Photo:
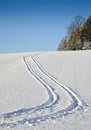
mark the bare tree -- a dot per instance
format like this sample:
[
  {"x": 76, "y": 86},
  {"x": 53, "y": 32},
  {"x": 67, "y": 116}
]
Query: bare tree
[
  {"x": 79, "y": 20},
  {"x": 76, "y": 24},
  {"x": 71, "y": 28}
]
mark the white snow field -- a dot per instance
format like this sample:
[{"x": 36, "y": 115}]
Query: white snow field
[{"x": 45, "y": 91}]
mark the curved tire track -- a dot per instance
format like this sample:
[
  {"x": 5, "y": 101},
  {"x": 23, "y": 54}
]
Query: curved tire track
[
  {"x": 74, "y": 96},
  {"x": 22, "y": 116}
]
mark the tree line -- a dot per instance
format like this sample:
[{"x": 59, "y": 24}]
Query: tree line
[{"x": 78, "y": 35}]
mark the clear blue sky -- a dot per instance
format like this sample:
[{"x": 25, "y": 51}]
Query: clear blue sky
[{"x": 37, "y": 25}]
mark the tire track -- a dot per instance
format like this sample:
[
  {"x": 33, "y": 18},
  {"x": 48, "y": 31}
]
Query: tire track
[
  {"x": 74, "y": 96},
  {"x": 44, "y": 111},
  {"x": 9, "y": 118}
]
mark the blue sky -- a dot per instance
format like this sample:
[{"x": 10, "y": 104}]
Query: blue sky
[{"x": 37, "y": 25}]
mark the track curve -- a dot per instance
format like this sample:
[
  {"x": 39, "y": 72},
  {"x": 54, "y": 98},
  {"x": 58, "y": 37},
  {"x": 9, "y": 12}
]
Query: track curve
[{"x": 55, "y": 105}]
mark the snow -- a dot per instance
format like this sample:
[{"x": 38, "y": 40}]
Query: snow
[
  {"x": 73, "y": 69},
  {"x": 45, "y": 90},
  {"x": 16, "y": 85}
]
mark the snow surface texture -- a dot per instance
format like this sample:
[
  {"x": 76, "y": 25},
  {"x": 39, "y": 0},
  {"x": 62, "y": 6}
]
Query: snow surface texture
[{"x": 45, "y": 90}]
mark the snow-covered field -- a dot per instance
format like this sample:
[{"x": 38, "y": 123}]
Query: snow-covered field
[{"x": 45, "y": 91}]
